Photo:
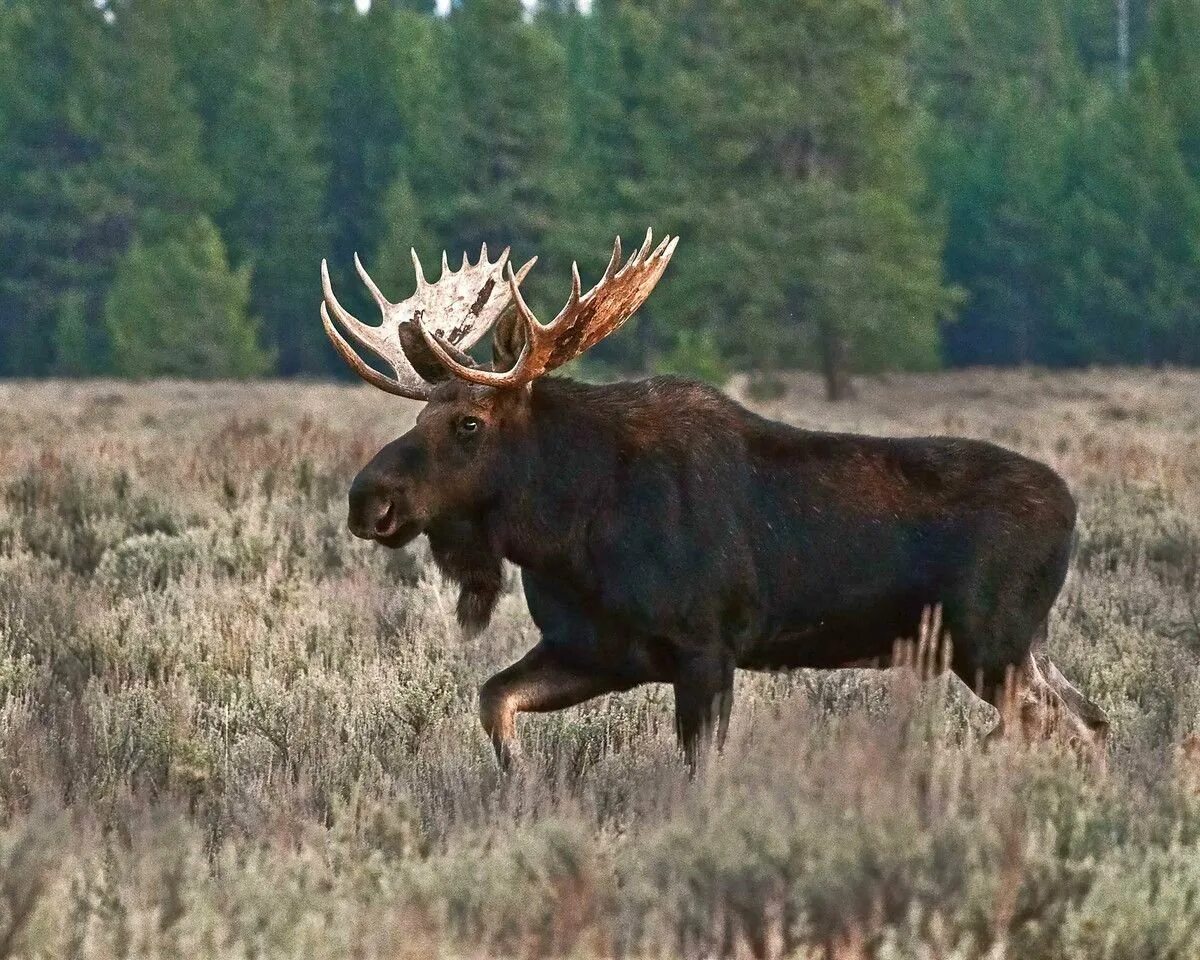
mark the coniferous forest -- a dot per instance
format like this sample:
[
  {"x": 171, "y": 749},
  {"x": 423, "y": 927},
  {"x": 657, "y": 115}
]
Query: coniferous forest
[{"x": 859, "y": 184}]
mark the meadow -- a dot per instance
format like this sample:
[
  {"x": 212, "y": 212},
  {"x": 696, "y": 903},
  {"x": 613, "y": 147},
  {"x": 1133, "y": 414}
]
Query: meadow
[{"x": 228, "y": 729}]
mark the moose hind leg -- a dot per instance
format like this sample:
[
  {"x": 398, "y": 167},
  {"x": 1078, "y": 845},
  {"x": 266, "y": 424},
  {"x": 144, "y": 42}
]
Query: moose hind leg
[
  {"x": 539, "y": 682},
  {"x": 1091, "y": 716},
  {"x": 1034, "y": 706}
]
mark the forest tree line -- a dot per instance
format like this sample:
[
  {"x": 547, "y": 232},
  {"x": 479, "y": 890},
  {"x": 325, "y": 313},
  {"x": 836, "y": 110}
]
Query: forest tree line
[{"x": 859, "y": 184}]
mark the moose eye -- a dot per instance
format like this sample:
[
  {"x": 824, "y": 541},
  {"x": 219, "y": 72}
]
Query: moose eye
[{"x": 468, "y": 425}]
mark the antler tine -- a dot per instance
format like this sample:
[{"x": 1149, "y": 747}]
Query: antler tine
[
  {"x": 368, "y": 373},
  {"x": 417, "y": 267},
  {"x": 583, "y": 322},
  {"x": 645, "y": 248},
  {"x": 523, "y": 272},
  {"x": 575, "y": 284},
  {"x": 614, "y": 262},
  {"x": 370, "y": 284},
  {"x": 662, "y": 246},
  {"x": 364, "y": 334},
  {"x": 407, "y": 383},
  {"x": 494, "y": 378}
]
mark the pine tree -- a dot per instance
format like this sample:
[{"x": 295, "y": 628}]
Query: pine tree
[
  {"x": 273, "y": 217},
  {"x": 150, "y": 130},
  {"x": 416, "y": 207},
  {"x": 810, "y": 188},
  {"x": 102, "y": 145},
  {"x": 1175, "y": 56},
  {"x": 510, "y": 78},
  {"x": 391, "y": 267},
  {"x": 1132, "y": 271},
  {"x": 55, "y": 247},
  {"x": 1001, "y": 83},
  {"x": 628, "y": 161},
  {"x": 363, "y": 129},
  {"x": 72, "y": 351},
  {"x": 257, "y": 71},
  {"x": 176, "y": 308}
]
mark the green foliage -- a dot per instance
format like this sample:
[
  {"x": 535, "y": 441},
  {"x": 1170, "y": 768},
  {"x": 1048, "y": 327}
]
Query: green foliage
[
  {"x": 72, "y": 357},
  {"x": 1137, "y": 285},
  {"x": 696, "y": 355},
  {"x": 273, "y": 221},
  {"x": 811, "y": 235},
  {"x": 392, "y": 265},
  {"x": 1174, "y": 55},
  {"x": 859, "y": 184},
  {"x": 513, "y": 179},
  {"x": 53, "y": 213},
  {"x": 1058, "y": 168},
  {"x": 177, "y": 309}
]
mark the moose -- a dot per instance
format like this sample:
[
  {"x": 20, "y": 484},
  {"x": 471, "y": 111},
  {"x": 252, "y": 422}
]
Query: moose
[{"x": 664, "y": 533}]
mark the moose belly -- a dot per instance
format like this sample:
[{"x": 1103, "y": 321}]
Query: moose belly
[{"x": 838, "y": 640}]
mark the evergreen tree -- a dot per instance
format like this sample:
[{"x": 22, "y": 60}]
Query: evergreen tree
[
  {"x": 72, "y": 350},
  {"x": 1175, "y": 57},
  {"x": 176, "y": 308},
  {"x": 1001, "y": 85},
  {"x": 510, "y": 78},
  {"x": 151, "y": 133},
  {"x": 812, "y": 233},
  {"x": 273, "y": 217},
  {"x": 392, "y": 266},
  {"x": 416, "y": 207},
  {"x": 54, "y": 245},
  {"x": 363, "y": 131},
  {"x": 628, "y": 163},
  {"x": 815, "y": 155},
  {"x": 1132, "y": 271},
  {"x": 256, "y": 73}
]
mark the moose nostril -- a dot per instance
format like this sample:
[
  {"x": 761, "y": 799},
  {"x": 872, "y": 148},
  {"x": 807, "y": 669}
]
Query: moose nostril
[{"x": 385, "y": 517}]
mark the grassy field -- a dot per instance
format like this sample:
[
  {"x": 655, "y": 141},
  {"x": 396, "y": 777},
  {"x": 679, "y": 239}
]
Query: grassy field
[{"x": 227, "y": 729}]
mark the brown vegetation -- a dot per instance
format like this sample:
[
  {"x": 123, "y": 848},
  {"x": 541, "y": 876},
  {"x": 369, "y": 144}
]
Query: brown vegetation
[{"x": 227, "y": 728}]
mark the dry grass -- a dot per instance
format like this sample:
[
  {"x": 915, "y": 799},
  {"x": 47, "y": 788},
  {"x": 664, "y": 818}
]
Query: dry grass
[{"x": 228, "y": 729}]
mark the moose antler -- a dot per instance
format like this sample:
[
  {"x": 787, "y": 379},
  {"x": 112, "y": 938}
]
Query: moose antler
[
  {"x": 583, "y": 322},
  {"x": 459, "y": 308}
]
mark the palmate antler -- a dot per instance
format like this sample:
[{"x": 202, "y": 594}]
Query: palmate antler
[
  {"x": 459, "y": 308},
  {"x": 584, "y": 321}
]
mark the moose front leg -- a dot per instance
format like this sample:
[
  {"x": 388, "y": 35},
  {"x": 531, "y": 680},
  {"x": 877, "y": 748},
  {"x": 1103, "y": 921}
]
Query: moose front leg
[
  {"x": 703, "y": 701},
  {"x": 539, "y": 682}
]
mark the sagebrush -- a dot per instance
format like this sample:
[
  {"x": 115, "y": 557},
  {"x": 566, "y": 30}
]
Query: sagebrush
[{"x": 229, "y": 729}]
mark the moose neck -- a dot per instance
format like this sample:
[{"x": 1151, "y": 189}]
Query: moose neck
[{"x": 554, "y": 478}]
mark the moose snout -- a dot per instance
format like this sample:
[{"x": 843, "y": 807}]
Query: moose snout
[{"x": 374, "y": 513}]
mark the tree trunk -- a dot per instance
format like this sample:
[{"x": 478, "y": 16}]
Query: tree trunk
[
  {"x": 1123, "y": 42},
  {"x": 835, "y": 364}
]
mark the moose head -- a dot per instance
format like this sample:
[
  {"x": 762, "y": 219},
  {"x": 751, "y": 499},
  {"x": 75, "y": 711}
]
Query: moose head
[{"x": 476, "y": 418}]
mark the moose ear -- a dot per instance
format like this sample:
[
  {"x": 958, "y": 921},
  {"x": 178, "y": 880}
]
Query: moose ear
[
  {"x": 508, "y": 340},
  {"x": 422, "y": 358},
  {"x": 508, "y": 335}
]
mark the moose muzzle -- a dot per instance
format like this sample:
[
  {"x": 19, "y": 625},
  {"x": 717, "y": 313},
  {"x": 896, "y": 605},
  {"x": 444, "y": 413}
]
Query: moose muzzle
[{"x": 378, "y": 512}]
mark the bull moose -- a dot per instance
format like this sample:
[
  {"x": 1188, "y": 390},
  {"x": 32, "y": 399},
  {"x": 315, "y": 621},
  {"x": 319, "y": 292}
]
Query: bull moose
[{"x": 664, "y": 533}]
